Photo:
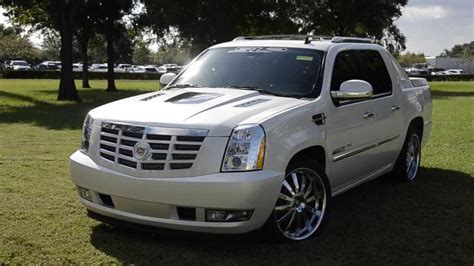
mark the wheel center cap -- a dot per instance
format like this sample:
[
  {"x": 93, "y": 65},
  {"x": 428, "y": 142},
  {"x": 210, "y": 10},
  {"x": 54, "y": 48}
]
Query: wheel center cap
[{"x": 300, "y": 206}]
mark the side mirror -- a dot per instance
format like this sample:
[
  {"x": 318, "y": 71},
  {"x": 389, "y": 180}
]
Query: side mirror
[
  {"x": 354, "y": 89},
  {"x": 165, "y": 79}
]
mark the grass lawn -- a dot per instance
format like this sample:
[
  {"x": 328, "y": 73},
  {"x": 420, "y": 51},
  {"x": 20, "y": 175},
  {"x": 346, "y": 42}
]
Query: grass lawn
[{"x": 428, "y": 221}]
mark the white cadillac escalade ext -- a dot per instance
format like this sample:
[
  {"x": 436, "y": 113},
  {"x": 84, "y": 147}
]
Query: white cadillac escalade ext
[{"x": 259, "y": 132}]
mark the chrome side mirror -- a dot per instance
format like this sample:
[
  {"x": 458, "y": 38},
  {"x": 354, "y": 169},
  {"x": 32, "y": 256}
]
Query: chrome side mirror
[
  {"x": 354, "y": 89},
  {"x": 165, "y": 79}
]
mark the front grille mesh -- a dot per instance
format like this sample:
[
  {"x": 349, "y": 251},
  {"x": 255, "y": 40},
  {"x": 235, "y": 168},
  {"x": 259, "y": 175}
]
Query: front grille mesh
[{"x": 168, "y": 151}]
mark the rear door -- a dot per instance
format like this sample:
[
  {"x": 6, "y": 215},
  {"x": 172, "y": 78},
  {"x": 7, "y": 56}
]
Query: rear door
[{"x": 388, "y": 123}]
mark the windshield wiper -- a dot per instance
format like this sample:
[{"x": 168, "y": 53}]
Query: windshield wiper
[
  {"x": 184, "y": 85},
  {"x": 261, "y": 90}
]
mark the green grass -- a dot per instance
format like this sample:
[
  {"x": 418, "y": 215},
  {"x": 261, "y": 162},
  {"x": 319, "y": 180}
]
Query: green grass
[{"x": 428, "y": 221}]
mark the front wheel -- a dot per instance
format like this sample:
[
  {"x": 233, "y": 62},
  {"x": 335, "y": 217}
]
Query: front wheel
[
  {"x": 408, "y": 162},
  {"x": 302, "y": 204}
]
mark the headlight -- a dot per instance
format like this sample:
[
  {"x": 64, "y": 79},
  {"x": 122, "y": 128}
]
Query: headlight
[
  {"x": 86, "y": 133},
  {"x": 246, "y": 149}
]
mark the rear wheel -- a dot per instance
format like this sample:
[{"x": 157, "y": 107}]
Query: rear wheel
[
  {"x": 408, "y": 162},
  {"x": 302, "y": 204}
]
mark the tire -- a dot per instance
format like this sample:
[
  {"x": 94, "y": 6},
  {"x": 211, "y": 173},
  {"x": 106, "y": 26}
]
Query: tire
[
  {"x": 408, "y": 163},
  {"x": 303, "y": 203}
]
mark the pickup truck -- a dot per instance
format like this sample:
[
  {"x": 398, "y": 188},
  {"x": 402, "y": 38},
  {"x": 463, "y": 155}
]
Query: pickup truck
[{"x": 256, "y": 133}]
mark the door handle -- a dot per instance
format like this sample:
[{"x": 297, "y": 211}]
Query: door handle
[
  {"x": 395, "y": 108},
  {"x": 368, "y": 115}
]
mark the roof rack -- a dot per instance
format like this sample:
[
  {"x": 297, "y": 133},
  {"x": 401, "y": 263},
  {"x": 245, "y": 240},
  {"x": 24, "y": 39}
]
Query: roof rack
[{"x": 307, "y": 38}]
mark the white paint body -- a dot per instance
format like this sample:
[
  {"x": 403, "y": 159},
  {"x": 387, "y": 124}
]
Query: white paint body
[{"x": 151, "y": 197}]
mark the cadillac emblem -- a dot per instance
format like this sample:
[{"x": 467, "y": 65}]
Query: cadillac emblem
[{"x": 141, "y": 151}]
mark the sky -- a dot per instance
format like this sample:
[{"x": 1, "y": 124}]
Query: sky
[{"x": 429, "y": 25}]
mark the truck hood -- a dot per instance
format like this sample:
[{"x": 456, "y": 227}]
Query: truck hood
[{"x": 217, "y": 109}]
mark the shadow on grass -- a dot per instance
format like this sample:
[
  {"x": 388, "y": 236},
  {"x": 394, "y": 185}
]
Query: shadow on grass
[
  {"x": 58, "y": 115},
  {"x": 444, "y": 94},
  {"x": 383, "y": 221}
]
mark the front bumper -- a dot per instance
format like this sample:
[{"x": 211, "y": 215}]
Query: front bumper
[{"x": 154, "y": 201}]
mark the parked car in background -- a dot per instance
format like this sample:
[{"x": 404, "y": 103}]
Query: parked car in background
[
  {"x": 48, "y": 65},
  {"x": 145, "y": 69},
  {"x": 19, "y": 65},
  {"x": 450, "y": 72},
  {"x": 98, "y": 68},
  {"x": 124, "y": 67},
  {"x": 77, "y": 67},
  {"x": 169, "y": 68},
  {"x": 416, "y": 71}
]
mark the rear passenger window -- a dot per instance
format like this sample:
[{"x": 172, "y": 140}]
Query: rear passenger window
[{"x": 366, "y": 65}]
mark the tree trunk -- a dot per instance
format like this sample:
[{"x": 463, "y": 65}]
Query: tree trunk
[
  {"x": 67, "y": 88},
  {"x": 85, "y": 61},
  {"x": 109, "y": 35}
]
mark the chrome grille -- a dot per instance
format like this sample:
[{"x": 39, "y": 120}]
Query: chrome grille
[{"x": 171, "y": 149}]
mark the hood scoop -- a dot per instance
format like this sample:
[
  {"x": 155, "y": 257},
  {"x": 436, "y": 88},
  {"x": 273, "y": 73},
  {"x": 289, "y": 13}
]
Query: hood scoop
[
  {"x": 151, "y": 97},
  {"x": 252, "y": 102},
  {"x": 193, "y": 97}
]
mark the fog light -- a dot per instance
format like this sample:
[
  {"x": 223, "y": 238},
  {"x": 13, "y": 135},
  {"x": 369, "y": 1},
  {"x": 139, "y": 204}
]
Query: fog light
[
  {"x": 227, "y": 215},
  {"x": 84, "y": 193}
]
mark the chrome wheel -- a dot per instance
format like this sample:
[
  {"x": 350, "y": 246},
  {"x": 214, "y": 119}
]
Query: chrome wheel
[
  {"x": 301, "y": 204},
  {"x": 413, "y": 156}
]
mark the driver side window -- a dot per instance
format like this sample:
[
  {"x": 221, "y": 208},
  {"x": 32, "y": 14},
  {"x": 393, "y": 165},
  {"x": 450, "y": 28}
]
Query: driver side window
[{"x": 367, "y": 65}]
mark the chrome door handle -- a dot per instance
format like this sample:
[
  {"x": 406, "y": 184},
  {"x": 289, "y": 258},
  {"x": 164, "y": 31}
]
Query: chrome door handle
[
  {"x": 368, "y": 115},
  {"x": 395, "y": 108}
]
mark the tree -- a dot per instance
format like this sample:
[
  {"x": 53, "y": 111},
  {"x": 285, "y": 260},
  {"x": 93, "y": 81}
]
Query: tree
[
  {"x": 362, "y": 18},
  {"x": 109, "y": 16},
  {"x": 51, "y": 46},
  {"x": 465, "y": 51},
  {"x": 55, "y": 14},
  {"x": 14, "y": 46},
  {"x": 408, "y": 59},
  {"x": 141, "y": 54},
  {"x": 206, "y": 22}
]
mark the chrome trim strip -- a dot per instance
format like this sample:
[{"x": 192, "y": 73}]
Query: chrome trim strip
[
  {"x": 428, "y": 123},
  {"x": 362, "y": 149},
  {"x": 350, "y": 95},
  {"x": 156, "y": 130}
]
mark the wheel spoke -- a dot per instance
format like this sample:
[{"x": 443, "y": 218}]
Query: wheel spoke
[
  {"x": 286, "y": 215},
  {"x": 288, "y": 187},
  {"x": 295, "y": 182},
  {"x": 291, "y": 221},
  {"x": 314, "y": 198},
  {"x": 283, "y": 207},
  {"x": 285, "y": 197},
  {"x": 308, "y": 190},
  {"x": 303, "y": 183}
]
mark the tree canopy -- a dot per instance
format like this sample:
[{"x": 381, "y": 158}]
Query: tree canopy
[
  {"x": 465, "y": 51},
  {"x": 206, "y": 22},
  {"x": 88, "y": 24},
  {"x": 15, "y": 46}
]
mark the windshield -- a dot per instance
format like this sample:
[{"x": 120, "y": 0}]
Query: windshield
[
  {"x": 19, "y": 63},
  {"x": 282, "y": 71}
]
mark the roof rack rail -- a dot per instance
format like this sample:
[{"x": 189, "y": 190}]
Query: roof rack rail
[
  {"x": 338, "y": 39},
  {"x": 306, "y": 38},
  {"x": 283, "y": 37}
]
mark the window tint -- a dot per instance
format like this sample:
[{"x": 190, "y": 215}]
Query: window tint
[
  {"x": 366, "y": 65},
  {"x": 286, "y": 71}
]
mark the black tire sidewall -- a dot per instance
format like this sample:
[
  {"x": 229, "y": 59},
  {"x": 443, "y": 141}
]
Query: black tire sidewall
[{"x": 399, "y": 169}]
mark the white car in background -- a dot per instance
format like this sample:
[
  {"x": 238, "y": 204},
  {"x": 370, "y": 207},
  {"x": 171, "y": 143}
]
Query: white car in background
[
  {"x": 259, "y": 132},
  {"x": 19, "y": 65},
  {"x": 452, "y": 72}
]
